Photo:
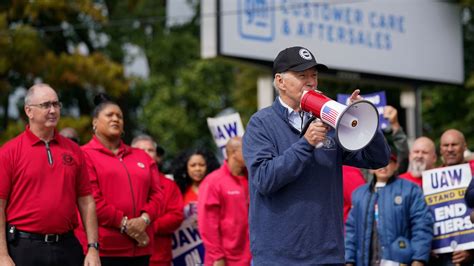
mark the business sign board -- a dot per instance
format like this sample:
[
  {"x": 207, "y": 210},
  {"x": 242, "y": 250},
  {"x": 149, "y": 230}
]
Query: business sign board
[{"x": 420, "y": 40}]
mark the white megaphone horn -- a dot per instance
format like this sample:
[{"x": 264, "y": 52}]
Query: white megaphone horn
[{"x": 355, "y": 124}]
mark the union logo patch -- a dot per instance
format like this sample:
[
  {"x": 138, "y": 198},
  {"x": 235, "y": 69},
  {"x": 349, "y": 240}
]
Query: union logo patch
[
  {"x": 67, "y": 159},
  {"x": 305, "y": 54}
]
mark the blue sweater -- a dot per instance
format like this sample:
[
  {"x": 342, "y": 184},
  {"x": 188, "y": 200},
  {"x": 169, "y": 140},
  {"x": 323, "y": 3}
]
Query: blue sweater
[{"x": 296, "y": 190}]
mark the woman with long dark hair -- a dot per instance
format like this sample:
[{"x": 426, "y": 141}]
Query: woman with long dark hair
[{"x": 189, "y": 170}]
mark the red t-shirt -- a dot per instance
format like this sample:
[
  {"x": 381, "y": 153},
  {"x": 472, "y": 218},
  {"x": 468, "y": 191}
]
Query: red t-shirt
[
  {"x": 417, "y": 180},
  {"x": 190, "y": 196},
  {"x": 42, "y": 192},
  {"x": 352, "y": 178}
]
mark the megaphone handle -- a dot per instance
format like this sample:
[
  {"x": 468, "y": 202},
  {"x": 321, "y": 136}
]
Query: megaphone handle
[
  {"x": 321, "y": 144},
  {"x": 306, "y": 126}
]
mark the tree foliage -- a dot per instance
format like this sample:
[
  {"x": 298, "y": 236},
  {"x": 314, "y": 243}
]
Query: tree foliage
[
  {"x": 445, "y": 107},
  {"x": 39, "y": 40},
  {"x": 183, "y": 90},
  {"x": 46, "y": 40}
]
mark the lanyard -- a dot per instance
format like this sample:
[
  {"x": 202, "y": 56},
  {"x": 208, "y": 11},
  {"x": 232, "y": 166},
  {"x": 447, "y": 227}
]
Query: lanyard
[{"x": 376, "y": 213}]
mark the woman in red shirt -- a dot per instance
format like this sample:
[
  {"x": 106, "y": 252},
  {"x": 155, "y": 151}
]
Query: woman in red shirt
[
  {"x": 189, "y": 169},
  {"x": 124, "y": 181}
]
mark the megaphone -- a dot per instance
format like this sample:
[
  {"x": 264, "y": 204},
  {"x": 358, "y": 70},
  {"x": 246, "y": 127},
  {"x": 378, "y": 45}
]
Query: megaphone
[{"x": 355, "y": 124}]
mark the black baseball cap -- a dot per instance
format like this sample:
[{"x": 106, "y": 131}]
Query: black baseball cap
[{"x": 297, "y": 59}]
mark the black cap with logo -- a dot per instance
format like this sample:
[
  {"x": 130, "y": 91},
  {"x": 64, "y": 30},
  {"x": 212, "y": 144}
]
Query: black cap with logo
[{"x": 297, "y": 59}]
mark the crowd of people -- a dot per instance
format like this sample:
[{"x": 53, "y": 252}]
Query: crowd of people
[{"x": 286, "y": 194}]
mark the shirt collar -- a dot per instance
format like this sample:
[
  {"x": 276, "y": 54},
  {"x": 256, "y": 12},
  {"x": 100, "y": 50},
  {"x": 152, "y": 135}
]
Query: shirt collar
[
  {"x": 227, "y": 171},
  {"x": 97, "y": 145},
  {"x": 294, "y": 117},
  {"x": 33, "y": 139},
  {"x": 290, "y": 110}
]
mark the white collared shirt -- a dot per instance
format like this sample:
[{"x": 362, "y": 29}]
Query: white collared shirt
[{"x": 296, "y": 119}]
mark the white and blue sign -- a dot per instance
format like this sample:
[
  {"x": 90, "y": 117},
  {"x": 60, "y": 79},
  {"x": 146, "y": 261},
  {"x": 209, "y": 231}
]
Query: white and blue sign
[
  {"x": 444, "y": 190},
  {"x": 390, "y": 37},
  {"x": 377, "y": 98},
  {"x": 187, "y": 246},
  {"x": 223, "y": 128}
]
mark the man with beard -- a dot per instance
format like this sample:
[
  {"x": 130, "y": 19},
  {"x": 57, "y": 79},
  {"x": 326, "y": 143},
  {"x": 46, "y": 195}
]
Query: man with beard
[{"x": 422, "y": 157}]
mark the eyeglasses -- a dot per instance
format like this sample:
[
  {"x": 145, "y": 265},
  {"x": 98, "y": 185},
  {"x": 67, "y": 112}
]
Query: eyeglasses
[{"x": 47, "y": 105}]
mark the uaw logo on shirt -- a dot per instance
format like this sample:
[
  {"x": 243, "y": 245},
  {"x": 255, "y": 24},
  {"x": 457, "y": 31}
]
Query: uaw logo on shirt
[
  {"x": 256, "y": 19},
  {"x": 67, "y": 159}
]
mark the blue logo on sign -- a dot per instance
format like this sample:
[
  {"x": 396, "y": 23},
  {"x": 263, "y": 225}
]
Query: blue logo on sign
[{"x": 256, "y": 19}]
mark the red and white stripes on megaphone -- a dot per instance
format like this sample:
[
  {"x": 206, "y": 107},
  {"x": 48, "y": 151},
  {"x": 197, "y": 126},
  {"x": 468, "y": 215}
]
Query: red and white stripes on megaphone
[{"x": 355, "y": 124}]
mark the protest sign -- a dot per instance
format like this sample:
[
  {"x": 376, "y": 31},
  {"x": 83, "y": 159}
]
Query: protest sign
[{"x": 444, "y": 190}]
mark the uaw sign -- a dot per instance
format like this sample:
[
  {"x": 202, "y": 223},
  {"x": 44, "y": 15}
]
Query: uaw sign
[
  {"x": 224, "y": 128},
  {"x": 444, "y": 190},
  {"x": 187, "y": 246}
]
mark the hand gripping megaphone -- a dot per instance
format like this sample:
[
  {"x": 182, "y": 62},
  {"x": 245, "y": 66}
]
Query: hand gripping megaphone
[{"x": 355, "y": 124}]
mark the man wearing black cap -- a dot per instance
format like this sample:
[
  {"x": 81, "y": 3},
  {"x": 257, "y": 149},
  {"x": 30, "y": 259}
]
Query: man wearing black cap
[{"x": 295, "y": 188}]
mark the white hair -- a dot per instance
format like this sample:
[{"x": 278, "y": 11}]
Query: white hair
[
  {"x": 282, "y": 74},
  {"x": 144, "y": 137}
]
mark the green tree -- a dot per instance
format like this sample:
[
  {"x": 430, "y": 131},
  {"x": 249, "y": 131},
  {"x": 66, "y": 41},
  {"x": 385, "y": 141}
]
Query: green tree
[
  {"x": 445, "y": 107},
  {"x": 39, "y": 40},
  {"x": 183, "y": 89}
]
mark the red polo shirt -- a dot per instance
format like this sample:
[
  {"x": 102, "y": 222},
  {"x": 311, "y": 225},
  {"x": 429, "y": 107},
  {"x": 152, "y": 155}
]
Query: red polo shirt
[{"x": 42, "y": 192}]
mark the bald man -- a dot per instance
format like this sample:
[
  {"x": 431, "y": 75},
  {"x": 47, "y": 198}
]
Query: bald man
[
  {"x": 223, "y": 211},
  {"x": 422, "y": 157},
  {"x": 452, "y": 147},
  {"x": 43, "y": 179}
]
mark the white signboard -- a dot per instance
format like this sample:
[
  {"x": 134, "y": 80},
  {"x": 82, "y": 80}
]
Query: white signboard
[
  {"x": 444, "y": 190},
  {"x": 409, "y": 39},
  {"x": 224, "y": 128}
]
